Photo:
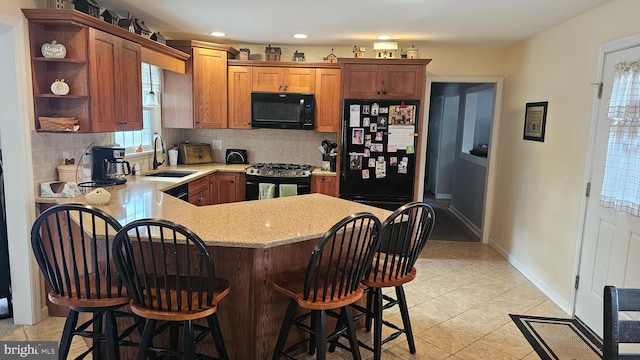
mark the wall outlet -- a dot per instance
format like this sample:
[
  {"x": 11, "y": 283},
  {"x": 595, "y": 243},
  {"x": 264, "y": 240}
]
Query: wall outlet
[{"x": 216, "y": 144}]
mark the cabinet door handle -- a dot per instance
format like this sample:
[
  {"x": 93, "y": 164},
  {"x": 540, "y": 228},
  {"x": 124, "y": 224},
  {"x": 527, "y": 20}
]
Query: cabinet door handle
[
  {"x": 286, "y": 87},
  {"x": 122, "y": 122},
  {"x": 232, "y": 181}
]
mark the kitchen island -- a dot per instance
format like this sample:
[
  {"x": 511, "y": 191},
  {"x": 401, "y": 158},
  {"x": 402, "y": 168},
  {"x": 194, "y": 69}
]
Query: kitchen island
[{"x": 250, "y": 241}]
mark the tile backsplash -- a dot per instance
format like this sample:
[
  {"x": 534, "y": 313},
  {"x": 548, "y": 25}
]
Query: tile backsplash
[
  {"x": 265, "y": 145},
  {"x": 262, "y": 145}
]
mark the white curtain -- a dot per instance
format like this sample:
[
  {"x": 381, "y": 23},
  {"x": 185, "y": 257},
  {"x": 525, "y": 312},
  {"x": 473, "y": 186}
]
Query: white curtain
[{"x": 621, "y": 185}]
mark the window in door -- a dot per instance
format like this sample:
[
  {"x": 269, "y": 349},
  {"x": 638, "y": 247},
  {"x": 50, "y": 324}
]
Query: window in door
[{"x": 621, "y": 183}]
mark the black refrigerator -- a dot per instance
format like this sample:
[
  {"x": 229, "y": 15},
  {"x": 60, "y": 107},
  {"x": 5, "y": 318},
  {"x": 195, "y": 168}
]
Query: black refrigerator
[{"x": 378, "y": 160}]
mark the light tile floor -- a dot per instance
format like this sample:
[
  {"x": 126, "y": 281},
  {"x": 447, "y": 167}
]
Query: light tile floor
[{"x": 459, "y": 305}]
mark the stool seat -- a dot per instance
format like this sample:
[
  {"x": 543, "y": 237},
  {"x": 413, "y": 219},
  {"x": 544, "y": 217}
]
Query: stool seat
[
  {"x": 331, "y": 282},
  {"x": 170, "y": 274},
  {"x": 292, "y": 285}
]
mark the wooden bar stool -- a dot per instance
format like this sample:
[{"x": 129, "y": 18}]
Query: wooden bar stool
[
  {"x": 403, "y": 237},
  {"x": 331, "y": 282},
  {"x": 170, "y": 275},
  {"x": 72, "y": 245}
]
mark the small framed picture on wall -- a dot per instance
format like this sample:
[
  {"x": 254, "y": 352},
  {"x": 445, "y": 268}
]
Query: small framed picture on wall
[{"x": 535, "y": 119}]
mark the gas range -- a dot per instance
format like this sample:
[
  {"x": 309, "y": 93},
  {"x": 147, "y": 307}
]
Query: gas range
[{"x": 279, "y": 170}]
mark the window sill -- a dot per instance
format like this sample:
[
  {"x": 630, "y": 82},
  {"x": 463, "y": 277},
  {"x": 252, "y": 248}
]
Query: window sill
[{"x": 138, "y": 154}]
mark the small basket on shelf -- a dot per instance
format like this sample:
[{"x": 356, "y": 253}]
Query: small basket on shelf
[{"x": 58, "y": 123}]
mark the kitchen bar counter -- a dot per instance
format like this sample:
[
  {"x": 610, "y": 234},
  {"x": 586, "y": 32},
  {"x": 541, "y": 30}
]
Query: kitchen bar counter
[
  {"x": 251, "y": 241},
  {"x": 248, "y": 224}
]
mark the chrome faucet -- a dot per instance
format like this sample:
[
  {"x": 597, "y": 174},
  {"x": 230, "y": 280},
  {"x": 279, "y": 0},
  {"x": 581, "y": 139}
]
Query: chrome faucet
[{"x": 157, "y": 137}]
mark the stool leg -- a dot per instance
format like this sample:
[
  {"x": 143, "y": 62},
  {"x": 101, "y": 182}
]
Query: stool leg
[
  {"x": 174, "y": 329},
  {"x": 111, "y": 334},
  {"x": 377, "y": 323},
  {"x": 404, "y": 312},
  {"x": 97, "y": 328},
  {"x": 284, "y": 329},
  {"x": 369, "y": 316},
  {"x": 312, "y": 339},
  {"x": 214, "y": 327},
  {"x": 187, "y": 341},
  {"x": 353, "y": 340},
  {"x": 320, "y": 328},
  {"x": 147, "y": 335},
  {"x": 65, "y": 340}
]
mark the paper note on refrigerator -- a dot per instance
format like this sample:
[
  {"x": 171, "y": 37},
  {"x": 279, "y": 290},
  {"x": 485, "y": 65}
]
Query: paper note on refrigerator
[
  {"x": 354, "y": 115},
  {"x": 401, "y": 136}
]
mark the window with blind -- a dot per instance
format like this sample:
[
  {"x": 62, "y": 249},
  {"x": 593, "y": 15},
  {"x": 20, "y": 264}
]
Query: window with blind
[{"x": 151, "y": 84}]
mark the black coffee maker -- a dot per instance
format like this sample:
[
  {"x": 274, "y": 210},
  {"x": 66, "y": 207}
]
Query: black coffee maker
[{"x": 109, "y": 166}]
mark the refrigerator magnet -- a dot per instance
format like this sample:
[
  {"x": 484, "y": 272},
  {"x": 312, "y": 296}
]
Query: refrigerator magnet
[
  {"x": 392, "y": 148},
  {"x": 374, "y": 109},
  {"x": 380, "y": 159},
  {"x": 366, "y": 121},
  {"x": 393, "y": 161},
  {"x": 372, "y": 162},
  {"x": 357, "y": 136},
  {"x": 355, "y": 162},
  {"x": 366, "y": 109},
  {"x": 365, "y": 174},
  {"x": 354, "y": 115},
  {"x": 367, "y": 152},
  {"x": 402, "y": 168},
  {"x": 381, "y": 170},
  {"x": 378, "y": 135},
  {"x": 367, "y": 143},
  {"x": 373, "y": 127},
  {"x": 382, "y": 122},
  {"x": 410, "y": 149}
]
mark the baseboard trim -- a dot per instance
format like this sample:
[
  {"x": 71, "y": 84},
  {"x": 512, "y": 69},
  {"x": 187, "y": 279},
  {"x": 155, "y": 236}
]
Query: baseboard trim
[{"x": 465, "y": 221}]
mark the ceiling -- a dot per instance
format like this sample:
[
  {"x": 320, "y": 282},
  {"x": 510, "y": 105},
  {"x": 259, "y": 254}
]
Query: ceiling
[{"x": 424, "y": 23}]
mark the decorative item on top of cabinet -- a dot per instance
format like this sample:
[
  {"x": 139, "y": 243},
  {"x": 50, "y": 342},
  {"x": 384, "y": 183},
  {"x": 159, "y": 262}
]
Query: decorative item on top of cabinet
[
  {"x": 331, "y": 58},
  {"x": 298, "y": 56},
  {"x": 272, "y": 53},
  {"x": 383, "y": 78},
  {"x": 358, "y": 51},
  {"x": 111, "y": 17},
  {"x": 412, "y": 53},
  {"x": 244, "y": 54},
  {"x": 89, "y": 7},
  {"x": 159, "y": 38},
  {"x": 198, "y": 98},
  {"x": 141, "y": 28}
]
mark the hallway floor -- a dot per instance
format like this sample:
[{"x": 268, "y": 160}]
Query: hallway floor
[{"x": 459, "y": 305}]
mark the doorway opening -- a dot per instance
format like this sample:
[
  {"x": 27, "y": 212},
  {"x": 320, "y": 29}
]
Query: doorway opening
[{"x": 461, "y": 136}]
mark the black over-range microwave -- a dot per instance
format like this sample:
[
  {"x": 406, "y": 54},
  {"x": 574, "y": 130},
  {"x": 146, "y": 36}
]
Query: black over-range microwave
[{"x": 282, "y": 110}]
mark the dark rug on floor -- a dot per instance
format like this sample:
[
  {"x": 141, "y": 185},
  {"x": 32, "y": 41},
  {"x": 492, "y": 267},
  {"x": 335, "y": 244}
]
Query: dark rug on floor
[
  {"x": 559, "y": 339},
  {"x": 447, "y": 229}
]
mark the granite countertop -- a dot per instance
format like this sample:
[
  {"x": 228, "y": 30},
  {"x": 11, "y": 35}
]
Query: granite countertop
[{"x": 248, "y": 224}]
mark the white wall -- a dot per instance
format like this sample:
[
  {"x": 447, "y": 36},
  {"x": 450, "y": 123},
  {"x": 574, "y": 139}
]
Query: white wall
[{"x": 540, "y": 185}]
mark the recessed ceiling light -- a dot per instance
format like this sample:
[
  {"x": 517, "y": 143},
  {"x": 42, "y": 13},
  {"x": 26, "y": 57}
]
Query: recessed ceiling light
[
  {"x": 384, "y": 37},
  {"x": 300, "y": 36},
  {"x": 218, "y": 34}
]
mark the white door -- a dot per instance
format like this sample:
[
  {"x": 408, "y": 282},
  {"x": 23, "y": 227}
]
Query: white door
[{"x": 611, "y": 239}]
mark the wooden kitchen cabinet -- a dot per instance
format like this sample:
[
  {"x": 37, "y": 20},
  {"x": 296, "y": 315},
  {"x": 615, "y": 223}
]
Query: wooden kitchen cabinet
[
  {"x": 199, "y": 191},
  {"x": 116, "y": 83},
  {"x": 198, "y": 98},
  {"x": 229, "y": 187},
  {"x": 102, "y": 67},
  {"x": 324, "y": 184},
  {"x": 240, "y": 85},
  {"x": 402, "y": 79},
  {"x": 328, "y": 101},
  {"x": 284, "y": 79}
]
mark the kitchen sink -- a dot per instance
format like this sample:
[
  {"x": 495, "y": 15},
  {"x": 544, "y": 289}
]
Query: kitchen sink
[{"x": 171, "y": 174}]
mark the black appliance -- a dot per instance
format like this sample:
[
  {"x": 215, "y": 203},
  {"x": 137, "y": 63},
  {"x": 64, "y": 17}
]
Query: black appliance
[
  {"x": 277, "y": 174},
  {"x": 5, "y": 277},
  {"x": 181, "y": 192},
  {"x": 108, "y": 165},
  {"x": 282, "y": 110},
  {"x": 378, "y": 158},
  {"x": 236, "y": 156}
]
